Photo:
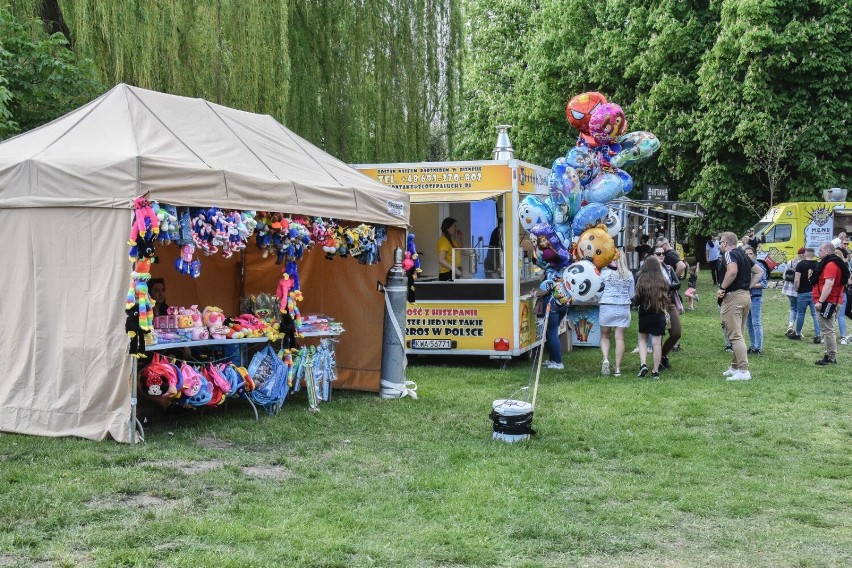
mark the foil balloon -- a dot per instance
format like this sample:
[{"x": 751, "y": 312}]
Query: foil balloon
[
  {"x": 582, "y": 280},
  {"x": 626, "y": 181},
  {"x": 613, "y": 223},
  {"x": 534, "y": 210},
  {"x": 579, "y": 109},
  {"x": 565, "y": 190},
  {"x": 635, "y": 147},
  {"x": 605, "y": 187},
  {"x": 596, "y": 245},
  {"x": 607, "y": 123},
  {"x": 551, "y": 251},
  {"x": 585, "y": 162},
  {"x": 588, "y": 216}
]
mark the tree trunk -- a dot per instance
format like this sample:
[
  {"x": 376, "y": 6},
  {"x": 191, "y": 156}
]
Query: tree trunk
[{"x": 51, "y": 16}]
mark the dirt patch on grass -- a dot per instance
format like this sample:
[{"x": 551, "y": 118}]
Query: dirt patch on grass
[
  {"x": 135, "y": 501},
  {"x": 188, "y": 467},
  {"x": 268, "y": 471},
  {"x": 211, "y": 443}
]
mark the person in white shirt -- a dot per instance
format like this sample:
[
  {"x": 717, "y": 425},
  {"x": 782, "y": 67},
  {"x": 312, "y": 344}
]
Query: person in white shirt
[
  {"x": 615, "y": 310},
  {"x": 712, "y": 251}
]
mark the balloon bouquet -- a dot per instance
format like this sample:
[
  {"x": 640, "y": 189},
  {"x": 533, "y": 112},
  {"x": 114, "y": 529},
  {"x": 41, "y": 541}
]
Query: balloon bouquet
[{"x": 572, "y": 227}]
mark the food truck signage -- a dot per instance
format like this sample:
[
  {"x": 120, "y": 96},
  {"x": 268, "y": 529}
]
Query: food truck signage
[
  {"x": 656, "y": 192},
  {"x": 444, "y": 322},
  {"x": 443, "y": 177},
  {"x": 532, "y": 180}
]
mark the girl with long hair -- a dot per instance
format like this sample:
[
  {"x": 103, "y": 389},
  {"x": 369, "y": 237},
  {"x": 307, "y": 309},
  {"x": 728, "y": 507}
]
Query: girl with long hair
[
  {"x": 615, "y": 310},
  {"x": 652, "y": 297}
]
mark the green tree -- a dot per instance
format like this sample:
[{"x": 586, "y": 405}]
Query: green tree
[
  {"x": 776, "y": 69},
  {"x": 40, "y": 79},
  {"x": 494, "y": 63},
  {"x": 366, "y": 81}
]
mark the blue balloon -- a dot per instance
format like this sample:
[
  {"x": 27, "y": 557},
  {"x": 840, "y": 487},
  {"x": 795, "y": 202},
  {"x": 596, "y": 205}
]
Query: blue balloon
[
  {"x": 534, "y": 210},
  {"x": 635, "y": 147},
  {"x": 604, "y": 187},
  {"x": 565, "y": 193},
  {"x": 589, "y": 216},
  {"x": 626, "y": 181},
  {"x": 585, "y": 161}
]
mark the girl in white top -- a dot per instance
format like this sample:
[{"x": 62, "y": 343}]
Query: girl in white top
[{"x": 615, "y": 310}]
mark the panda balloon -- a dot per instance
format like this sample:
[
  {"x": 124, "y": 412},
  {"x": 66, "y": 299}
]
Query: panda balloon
[{"x": 583, "y": 280}]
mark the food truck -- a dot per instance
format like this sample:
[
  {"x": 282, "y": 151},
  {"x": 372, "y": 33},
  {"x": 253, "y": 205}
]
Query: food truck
[
  {"x": 788, "y": 226},
  {"x": 489, "y": 309}
]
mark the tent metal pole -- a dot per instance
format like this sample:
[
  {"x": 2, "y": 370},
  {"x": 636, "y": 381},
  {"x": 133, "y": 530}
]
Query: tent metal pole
[{"x": 133, "y": 399}]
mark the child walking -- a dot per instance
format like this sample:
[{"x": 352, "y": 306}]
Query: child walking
[
  {"x": 652, "y": 297},
  {"x": 692, "y": 286}
]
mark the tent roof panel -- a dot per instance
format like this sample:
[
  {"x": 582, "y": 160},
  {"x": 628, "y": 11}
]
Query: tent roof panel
[{"x": 189, "y": 152}]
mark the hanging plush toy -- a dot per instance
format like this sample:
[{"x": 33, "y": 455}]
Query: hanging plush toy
[
  {"x": 135, "y": 332},
  {"x": 145, "y": 223},
  {"x": 185, "y": 264}
]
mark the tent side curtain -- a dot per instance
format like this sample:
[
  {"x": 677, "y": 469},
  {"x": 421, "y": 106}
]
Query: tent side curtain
[{"x": 65, "y": 365}]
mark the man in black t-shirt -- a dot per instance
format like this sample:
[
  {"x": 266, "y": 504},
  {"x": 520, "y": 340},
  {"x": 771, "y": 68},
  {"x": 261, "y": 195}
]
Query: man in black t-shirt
[
  {"x": 672, "y": 258},
  {"x": 805, "y": 300},
  {"x": 735, "y": 301},
  {"x": 753, "y": 241},
  {"x": 643, "y": 248}
]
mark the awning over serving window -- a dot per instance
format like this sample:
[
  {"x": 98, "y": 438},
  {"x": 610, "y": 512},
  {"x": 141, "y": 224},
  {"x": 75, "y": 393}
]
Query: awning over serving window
[
  {"x": 447, "y": 197},
  {"x": 685, "y": 209}
]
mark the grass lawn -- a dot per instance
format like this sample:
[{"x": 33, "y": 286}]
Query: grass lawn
[{"x": 690, "y": 470}]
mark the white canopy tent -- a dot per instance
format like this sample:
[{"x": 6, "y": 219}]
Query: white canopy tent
[{"x": 65, "y": 195}]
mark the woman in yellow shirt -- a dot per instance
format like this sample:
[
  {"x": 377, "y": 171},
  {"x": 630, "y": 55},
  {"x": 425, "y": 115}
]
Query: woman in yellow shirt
[{"x": 446, "y": 243}]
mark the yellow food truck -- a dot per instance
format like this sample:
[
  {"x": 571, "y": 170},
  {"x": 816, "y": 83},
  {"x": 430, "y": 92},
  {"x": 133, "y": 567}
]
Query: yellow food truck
[
  {"x": 786, "y": 227},
  {"x": 487, "y": 308}
]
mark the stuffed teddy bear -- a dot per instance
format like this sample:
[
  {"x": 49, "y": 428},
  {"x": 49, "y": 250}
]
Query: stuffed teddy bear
[{"x": 596, "y": 244}]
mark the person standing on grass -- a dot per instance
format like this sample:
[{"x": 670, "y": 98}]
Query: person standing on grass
[
  {"x": 789, "y": 290},
  {"x": 735, "y": 301},
  {"x": 752, "y": 241},
  {"x": 845, "y": 255},
  {"x": 754, "y": 321},
  {"x": 553, "y": 289},
  {"x": 692, "y": 285},
  {"x": 671, "y": 259},
  {"x": 615, "y": 310},
  {"x": 711, "y": 249},
  {"x": 827, "y": 281},
  {"x": 652, "y": 297},
  {"x": 805, "y": 300}
]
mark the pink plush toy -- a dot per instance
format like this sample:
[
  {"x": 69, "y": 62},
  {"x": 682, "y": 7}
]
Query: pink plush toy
[
  {"x": 191, "y": 380},
  {"x": 214, "y": 321},
  {"x": 198, "y": 333},
  {"x": 145, "y": 221},
  {"x": 285, "y": 285},
  {"x": 184, "y": 264}
]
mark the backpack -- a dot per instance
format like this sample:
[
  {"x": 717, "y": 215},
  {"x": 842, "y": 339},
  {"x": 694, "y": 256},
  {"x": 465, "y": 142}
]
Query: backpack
[
  {"x": 270, "y": 380},
  {"x": 789, "y": 275}
]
